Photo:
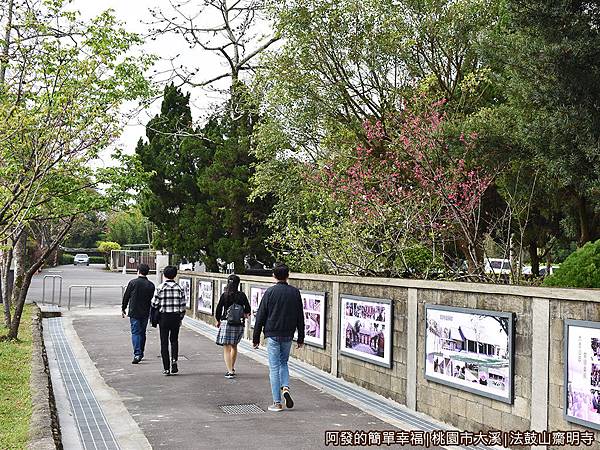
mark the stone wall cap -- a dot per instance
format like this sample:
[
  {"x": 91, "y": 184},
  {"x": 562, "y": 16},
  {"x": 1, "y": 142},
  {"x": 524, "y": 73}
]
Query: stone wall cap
[{"x": 586, "y": 295}]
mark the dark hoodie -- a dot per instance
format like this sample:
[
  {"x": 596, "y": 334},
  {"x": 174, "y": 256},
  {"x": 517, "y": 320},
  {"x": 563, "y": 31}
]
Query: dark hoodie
[{"x": 280, "y": 313}]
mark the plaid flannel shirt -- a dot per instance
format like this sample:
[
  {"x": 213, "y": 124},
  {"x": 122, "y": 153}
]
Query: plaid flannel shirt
[{"x": 169, "y": 298}]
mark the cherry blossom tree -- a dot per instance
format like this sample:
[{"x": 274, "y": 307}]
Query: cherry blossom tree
[{"x": 417, "y": 180}]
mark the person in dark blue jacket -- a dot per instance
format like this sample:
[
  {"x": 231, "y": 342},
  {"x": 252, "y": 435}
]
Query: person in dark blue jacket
[
  {"x": 280, "y": 314},
  {"x": 138, "y": 296}
]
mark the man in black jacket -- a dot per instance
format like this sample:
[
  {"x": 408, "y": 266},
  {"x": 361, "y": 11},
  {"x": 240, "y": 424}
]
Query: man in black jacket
[
  {"x": 281, "y": 314},
  {"x": 138, "y": 295}
]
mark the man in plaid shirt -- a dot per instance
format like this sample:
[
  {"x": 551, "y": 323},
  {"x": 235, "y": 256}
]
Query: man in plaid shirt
[{"x": 170, "y": 301}]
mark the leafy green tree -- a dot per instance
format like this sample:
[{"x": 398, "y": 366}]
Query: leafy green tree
[
  {"x": 344, "y": 63},
  {"x": 105, "y": 247},
  {"x": 86, "y": 231},
  {"x": 128, "y": 227},
  {"x": 553, "y": 92},
  {"x": 174, "y": 157},
  {"x": 63, "y": 83},
  {"x": 197, "y": 184},
  {"x": 227, "y": 184}
]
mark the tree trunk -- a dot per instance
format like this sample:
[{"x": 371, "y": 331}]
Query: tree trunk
[
  {"x": 5, "y": 285},
  {"x": 23, "y": 280},
  {"x": 535, "y": 259},
  {"x": 19, "y": 255},
  {"x": 20, "y": 303},
  {"x": 238, "y": 266},
  {"x": 6, "y": 46},
  {"x": 584, "y": 226},
  {"x": 473, "y": 253}
]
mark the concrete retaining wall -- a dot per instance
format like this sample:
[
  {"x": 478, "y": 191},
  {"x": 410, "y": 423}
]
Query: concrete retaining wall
[
  {"x": 538, "y": 355},
  {"x": 44, "y": 432}
]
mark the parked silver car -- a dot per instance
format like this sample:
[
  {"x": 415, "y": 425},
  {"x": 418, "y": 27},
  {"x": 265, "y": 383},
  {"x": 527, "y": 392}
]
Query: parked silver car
[{"x": 81, "y": 258}]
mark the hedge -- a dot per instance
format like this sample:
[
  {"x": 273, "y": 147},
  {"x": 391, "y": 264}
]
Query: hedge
[{"x": 581, "y": 269}]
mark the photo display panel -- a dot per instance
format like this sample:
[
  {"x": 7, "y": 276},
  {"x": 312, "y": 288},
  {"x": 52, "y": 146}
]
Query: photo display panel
[
  {"x": 186, "y": 285},
  {"x": 366, "y": 329},
  {"x": 314, "y": 306},
  {"x": 256, "y": 295},
  {"x": 204, "y": 297},
  {"x": 582, "y": 373},
  {"x": 470, "y": 349}
]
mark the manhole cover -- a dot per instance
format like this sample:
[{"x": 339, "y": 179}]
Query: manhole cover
[{"x": 242, "y": 409}]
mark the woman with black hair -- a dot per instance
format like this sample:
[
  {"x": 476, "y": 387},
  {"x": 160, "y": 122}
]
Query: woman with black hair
[{"x": 231, "y": 329}]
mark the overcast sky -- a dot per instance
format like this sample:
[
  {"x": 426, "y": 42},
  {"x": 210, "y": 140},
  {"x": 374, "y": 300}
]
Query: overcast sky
[{"x": 135, "y": 15}]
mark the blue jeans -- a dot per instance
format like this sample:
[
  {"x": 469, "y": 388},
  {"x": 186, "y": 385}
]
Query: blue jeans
[
  {"x": 138, "y": 335},
  {"x": 279, "y": 352}
]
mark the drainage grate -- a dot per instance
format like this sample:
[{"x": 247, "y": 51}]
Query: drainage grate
[
  {"x": 250, "y": 408},
  {"x": 94, "y": 430}
]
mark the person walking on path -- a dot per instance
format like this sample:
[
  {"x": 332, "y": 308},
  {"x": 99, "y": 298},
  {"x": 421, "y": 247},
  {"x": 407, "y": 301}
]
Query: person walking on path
[
  {"x": 280, "y": 314},
  {"x": 232, "y": 309},
  {"x": 170, "y": 301},
  {"x": 138, "y": 297}
]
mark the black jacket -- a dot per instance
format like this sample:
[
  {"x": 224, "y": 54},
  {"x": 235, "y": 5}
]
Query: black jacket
[
  {"x": 280, "y": 313},
  {"x": 138, "y": 295},
  {"x": 224, "y": 304}
]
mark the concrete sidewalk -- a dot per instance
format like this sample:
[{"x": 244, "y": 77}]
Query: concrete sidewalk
[{"x": 183, "y": 411}]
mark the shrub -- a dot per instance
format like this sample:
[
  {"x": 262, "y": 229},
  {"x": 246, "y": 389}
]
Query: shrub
[
  {"x": 106, "y": 247},
  {"x": 66, "y": 259},
  {"x": 96, "y": 259},
  {"x": 581, "y": 269}
]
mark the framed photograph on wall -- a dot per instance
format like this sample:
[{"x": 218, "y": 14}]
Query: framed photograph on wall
[
  {"x": 470, "y": 349},
  {"x": 223, "y": 285},
  {"x": 582, "y": 373},
  {"x": 366, "y": 329},
  {"x": 314, "y": 306},
  {"x": 256, "y": 295},
  {"x": 204, "y": 296},
  {"x": 186, "y": 285}
]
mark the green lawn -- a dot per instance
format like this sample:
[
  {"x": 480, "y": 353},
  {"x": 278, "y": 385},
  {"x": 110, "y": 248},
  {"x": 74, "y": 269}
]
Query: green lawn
[{"x": 15, "y": 399}]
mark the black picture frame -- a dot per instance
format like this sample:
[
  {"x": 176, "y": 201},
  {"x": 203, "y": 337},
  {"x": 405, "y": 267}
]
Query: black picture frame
[
  {"x": 197, "y": 292},
  {"x": 388, "y": 322},
  {"x": 253, "y": 310},
  {"x": 473, "y": 387},
  {"x": 189, "y": 302},
  {"x": 568, "y": 388},
  {"x": 308, "y": 340}
]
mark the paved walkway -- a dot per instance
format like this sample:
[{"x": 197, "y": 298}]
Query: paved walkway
[
  {"x": 106, "y": 402},
  {"x": 183, "y": 411}
]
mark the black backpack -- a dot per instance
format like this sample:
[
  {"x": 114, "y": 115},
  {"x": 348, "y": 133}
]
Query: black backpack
[{"x": 235, "y": 314}]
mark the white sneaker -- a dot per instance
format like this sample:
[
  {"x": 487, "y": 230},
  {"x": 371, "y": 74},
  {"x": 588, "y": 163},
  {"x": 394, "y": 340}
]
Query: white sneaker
[
  {"x": 289, "y": 402},
  {"x": 276, "y": 407}
]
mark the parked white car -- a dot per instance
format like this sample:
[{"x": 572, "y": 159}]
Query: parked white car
[
  {"x": 186, "y": 266},
  {"x": 497, "y": 266},
  {"x": 543, "y": 269},
  {"x": 81, "y": 258}
]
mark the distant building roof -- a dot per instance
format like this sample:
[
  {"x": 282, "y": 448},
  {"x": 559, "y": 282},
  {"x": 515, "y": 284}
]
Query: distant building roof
[{"x": 488, "y": 331}]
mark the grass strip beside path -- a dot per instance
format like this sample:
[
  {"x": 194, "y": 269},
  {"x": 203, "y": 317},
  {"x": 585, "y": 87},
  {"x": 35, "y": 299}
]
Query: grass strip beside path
[{"x": 15, "y": 395}]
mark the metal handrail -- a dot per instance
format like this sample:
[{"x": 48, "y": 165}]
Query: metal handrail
[
  {"x": 54, "y": 277},
  {"x": 88, "y": 288}
]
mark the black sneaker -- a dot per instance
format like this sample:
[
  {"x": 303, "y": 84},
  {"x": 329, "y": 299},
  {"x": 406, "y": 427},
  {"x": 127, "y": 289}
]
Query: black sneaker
[
  {"x": 229, "y": 375},
  {"x": 136, "y": 360},
  {"x": 174, "y": 368},
  {"x": 289, "y": 402},
  {"x": 166, "y": 372}
]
